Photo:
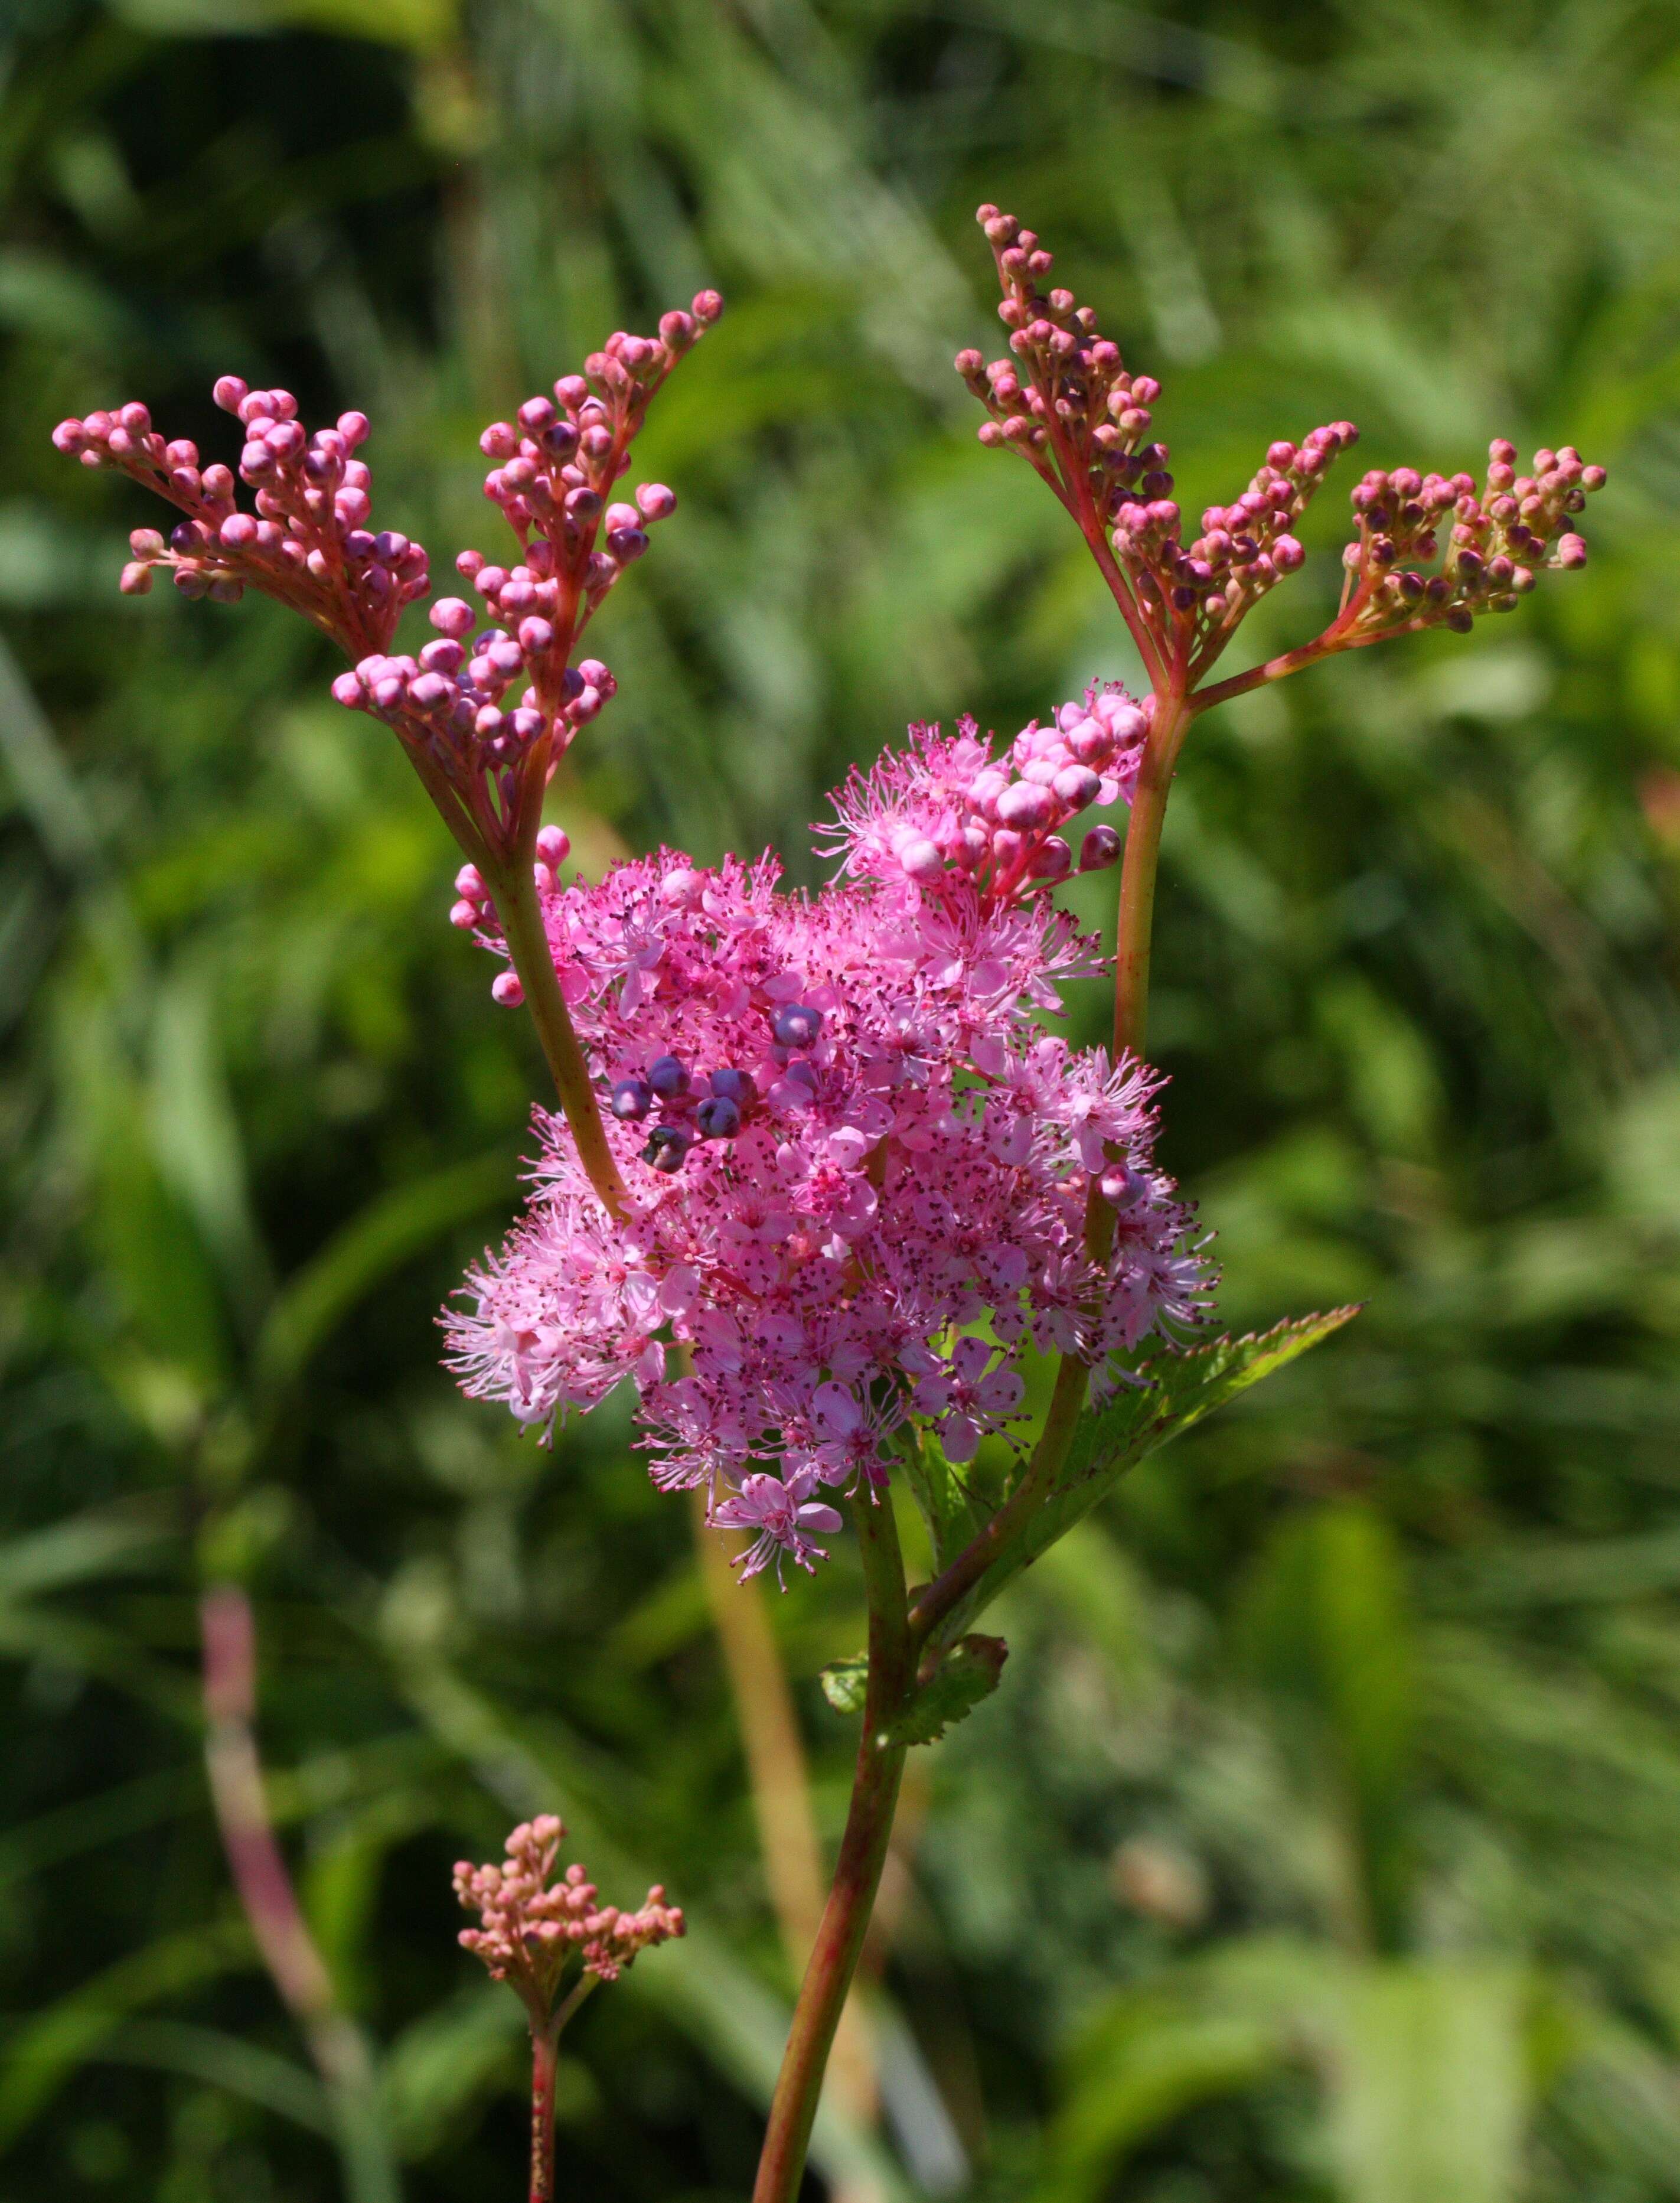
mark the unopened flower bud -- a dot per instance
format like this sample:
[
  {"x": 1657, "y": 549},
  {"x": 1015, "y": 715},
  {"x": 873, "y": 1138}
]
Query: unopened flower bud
[
  {"x": 797, "y": 1025},
  {"x": 718, "y": 1117},
  {"x": 632, "y": 1099},
  {"x": 1102, "y": 848},
  {"x": 920, "y": 860}
]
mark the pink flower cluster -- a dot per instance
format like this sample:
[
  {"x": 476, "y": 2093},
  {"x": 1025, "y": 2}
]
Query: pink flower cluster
[
  {"x": 1501, "y": 534},
  {"x": 541, "y": 1935},
  {"x": 308, "y": 543},
  {"x": 858, "y": 1167},
  {"x": 950, "y": 806}
]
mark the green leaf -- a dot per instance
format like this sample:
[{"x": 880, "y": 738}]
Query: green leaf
[
  {"x": 1179, "y": 1390},
  {"x": 1324, "y": 1628},
  {"x": 971, "y": 1671},
  {"x": 844, "y": 1683}
]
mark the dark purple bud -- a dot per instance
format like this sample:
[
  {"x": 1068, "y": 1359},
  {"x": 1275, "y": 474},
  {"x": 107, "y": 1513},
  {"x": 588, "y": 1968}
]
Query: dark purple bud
[
  {"x": 632, "y": 1099},
  {"x": 667, "y": 1148},
  {"x": 737, "y": 1086},
  {"x": 718, "y": 1117},
  {"x": 1103, "y": 847},
  {"x": 796, "y": 1025},
  {"x": 668, "y": 1077}
]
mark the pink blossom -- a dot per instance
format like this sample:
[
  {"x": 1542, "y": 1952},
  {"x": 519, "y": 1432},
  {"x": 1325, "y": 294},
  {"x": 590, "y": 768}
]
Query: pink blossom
[
  {"x": 783, "y": 1515},
  {"x": 849, "y": 1144},
  {"x": 968, "y": 1402}
]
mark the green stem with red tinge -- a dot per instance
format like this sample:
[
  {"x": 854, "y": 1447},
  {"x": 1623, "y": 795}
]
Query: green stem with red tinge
[
  {"x": 515, "y": 891},
  {"x": 863, "y": 1854}
]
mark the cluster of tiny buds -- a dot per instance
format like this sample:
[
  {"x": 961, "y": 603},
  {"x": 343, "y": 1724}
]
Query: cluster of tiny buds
[
  {"x": 1501, "y": 534},
  {"x": 455, "y": 689},
  {"x": 1244, "y": 548},
  {"x": 555, "y": 465},
  {"x": 1066, "y": 402},
  {"x": 534, "y": 1928},
  {"x": 689, "y": 1106},
  {"x": 307, "y": 543}
]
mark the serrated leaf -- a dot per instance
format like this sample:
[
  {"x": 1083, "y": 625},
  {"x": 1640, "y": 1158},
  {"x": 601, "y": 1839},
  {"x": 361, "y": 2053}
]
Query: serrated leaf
[
  {"x": 1180, "y": 1390},
  {"x": 844, "y": 1683},
  {"x": 971, "y": 1671}
]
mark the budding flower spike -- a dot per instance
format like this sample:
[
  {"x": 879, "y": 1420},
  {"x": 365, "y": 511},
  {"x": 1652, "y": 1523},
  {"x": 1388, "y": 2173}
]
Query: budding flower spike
[
  {"x": 546, "y": 1936},
  {"x": 552, "y": 1941},
  {"x": 485, "y": 711},
  {"x": 1066, "y": 402}
]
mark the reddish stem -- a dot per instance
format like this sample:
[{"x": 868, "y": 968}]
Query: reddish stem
[
  {"x": 522, "y": 928},
  {"x": 228, "y": 1639},
  {"x": 869, "y": 1827},
  {"x": 544, "y": 2060}
]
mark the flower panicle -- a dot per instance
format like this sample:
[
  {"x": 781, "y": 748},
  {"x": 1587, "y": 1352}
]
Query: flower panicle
[
  {"x": 949, "y": 809},
  {"x": 554, "y": 470},
  {"x": 540, "y": 1933},
  {"x": 1065, "y": 401},
  {"x": 486, "y": 760}
]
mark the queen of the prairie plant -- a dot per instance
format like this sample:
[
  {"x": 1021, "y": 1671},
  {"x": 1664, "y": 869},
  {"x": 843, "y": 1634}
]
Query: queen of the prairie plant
[{"x": 821, "y": 1173}]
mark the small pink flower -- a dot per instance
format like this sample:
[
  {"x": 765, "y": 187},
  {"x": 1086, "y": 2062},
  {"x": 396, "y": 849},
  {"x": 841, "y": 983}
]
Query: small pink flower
[
  {"x": 785, "y": 1517},
  {"x": 971, "y": 1404}
]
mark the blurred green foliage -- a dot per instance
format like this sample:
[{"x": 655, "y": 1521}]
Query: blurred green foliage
[{"x": 1323, "y": 1840}]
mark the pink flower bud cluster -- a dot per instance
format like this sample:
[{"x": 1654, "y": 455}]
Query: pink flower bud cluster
[
  {"x": 949, "y": 809},
  {"x": 452, "y": 700},
  {"x": 541, "y": 1935},
  {"x": 890, "y": 1203},
  {"x": 1501, "y": 534},
  {"x": 308, "y": 544},
  {"x": 555, "y": 466},
  {"x": 1244, "y": 549},
  {"x": 1065, "y": 401},
  {"x": 484, "y": 764}
]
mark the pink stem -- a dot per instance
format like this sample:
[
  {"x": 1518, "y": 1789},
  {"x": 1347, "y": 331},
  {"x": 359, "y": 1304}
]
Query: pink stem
[{"x": 227, "y": 1634}]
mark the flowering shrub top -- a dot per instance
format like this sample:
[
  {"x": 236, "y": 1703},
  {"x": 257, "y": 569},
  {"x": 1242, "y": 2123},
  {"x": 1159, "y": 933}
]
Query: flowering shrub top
[{"x": 847, "y": 1144}]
